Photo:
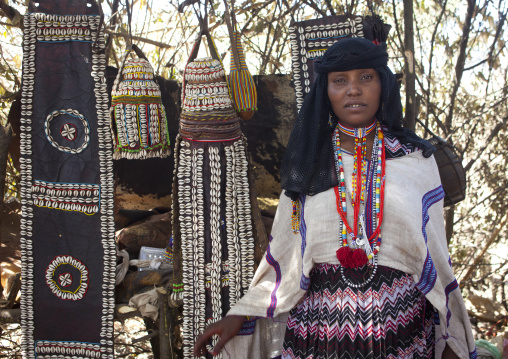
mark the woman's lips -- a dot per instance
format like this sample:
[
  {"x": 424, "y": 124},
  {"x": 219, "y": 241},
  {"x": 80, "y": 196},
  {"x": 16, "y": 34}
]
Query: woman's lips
[{"x": 355, "y": 104}]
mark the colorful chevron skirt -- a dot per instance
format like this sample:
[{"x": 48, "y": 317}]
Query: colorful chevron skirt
[{"x": 389, "y": 318}]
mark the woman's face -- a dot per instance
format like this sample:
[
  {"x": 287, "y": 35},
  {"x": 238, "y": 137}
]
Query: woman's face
[{"x": 355, "y": 96}]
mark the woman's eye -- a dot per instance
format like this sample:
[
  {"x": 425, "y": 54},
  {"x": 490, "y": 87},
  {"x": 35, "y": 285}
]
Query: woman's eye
[{"x": 367, "y": 77}]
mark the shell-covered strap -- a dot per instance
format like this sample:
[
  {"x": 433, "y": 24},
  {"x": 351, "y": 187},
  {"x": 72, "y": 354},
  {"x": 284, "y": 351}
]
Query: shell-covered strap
[
  {"x": 194, "y": 54},
  {"x": 130, "y": 48}
]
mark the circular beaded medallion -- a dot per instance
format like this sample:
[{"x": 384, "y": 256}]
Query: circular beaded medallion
[
  {"x": 60, "y": 276},
  {"x": 68, "y": 131}
]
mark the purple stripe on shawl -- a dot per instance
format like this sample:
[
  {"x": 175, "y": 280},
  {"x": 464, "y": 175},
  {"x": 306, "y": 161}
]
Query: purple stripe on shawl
[
  {"x": 273, "y": 303},
  {"x": 429, "y": 275},
  {"x": 248, "y": 327},
  {"x": 304, "y": 281},
  {"x": 428, "y": 200},
  {"x": 473, "y": 354},
  {"x": 449, "y": 288}
]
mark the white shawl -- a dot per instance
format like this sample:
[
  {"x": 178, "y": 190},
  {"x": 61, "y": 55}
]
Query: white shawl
[{"x": 413, "y": 241}]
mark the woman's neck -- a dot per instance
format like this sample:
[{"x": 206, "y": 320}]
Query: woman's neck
[{"x": 347, "y": 142}]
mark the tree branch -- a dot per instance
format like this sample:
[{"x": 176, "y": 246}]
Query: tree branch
[
  {"x": 397, "y": 27},
  {"x": 480, "y": 256},
  {"x": 493, "y": 134},
  {"x": 315, "y": 7},
  {"x": 142, "y": 39},
  {"x": 13, "y": 14},
  {"x": 461, "y": 59},
  {"x": 330, "y": 7},
  {"x": 431, "y": 55}
]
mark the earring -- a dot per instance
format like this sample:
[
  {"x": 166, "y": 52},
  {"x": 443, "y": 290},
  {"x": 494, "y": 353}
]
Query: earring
[{"x": 330, "y": 120}]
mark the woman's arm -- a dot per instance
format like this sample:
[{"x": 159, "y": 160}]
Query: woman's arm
[{"x": 226, "y": 329}]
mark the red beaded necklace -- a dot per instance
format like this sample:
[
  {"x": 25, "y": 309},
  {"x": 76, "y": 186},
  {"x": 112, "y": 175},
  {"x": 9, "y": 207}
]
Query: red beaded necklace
[{"x": 357, "y": 257}]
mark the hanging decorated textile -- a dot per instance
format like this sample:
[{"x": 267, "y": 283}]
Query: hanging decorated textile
[
  {"x": 213, "y": 226},
  {"x": 67, "y": 227},
  {"x": 311, "y": 38},
  {"x": 241, "y": 83},
  {"x": 138, "y": 116}
]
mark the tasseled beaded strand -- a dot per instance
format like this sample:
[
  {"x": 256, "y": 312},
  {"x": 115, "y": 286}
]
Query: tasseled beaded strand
[{"x": 349, "y": 257}]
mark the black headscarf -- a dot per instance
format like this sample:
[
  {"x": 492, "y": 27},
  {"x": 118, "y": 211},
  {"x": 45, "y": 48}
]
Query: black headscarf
[{"x": 308, "y": 166}]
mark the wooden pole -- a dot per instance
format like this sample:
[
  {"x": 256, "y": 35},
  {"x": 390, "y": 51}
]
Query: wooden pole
[
  {"x": 409, "y": 66},
  {"x": 164, "y": 319}
]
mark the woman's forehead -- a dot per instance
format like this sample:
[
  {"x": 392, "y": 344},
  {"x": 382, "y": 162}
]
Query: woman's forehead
[{"x": 355, "y": 71}]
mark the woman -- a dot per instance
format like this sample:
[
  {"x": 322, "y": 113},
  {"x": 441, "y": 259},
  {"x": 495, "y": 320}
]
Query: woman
[{"x": 352, "y": 176}]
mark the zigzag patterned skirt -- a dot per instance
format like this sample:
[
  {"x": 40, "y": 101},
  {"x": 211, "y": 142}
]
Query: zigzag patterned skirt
[{"x": 389, "y": 318}]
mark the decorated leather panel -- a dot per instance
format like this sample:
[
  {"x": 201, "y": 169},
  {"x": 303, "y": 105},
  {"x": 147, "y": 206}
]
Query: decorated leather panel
[
  {"x": 309, "y": 41},
  {"x": 67, "y": 227}
]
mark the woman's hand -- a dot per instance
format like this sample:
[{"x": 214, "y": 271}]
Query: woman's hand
[{"x": 226, "y": 329}]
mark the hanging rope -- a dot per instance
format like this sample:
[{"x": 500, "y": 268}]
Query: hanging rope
[{"x": 231, "y": 25}]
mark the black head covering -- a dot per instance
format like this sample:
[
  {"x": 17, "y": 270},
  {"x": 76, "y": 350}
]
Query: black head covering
[{"x": 308, "y": 166}]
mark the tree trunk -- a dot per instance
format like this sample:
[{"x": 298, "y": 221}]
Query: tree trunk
[
  {"x": 449, "y": 219},
  {"x": 409, "y": 66}
]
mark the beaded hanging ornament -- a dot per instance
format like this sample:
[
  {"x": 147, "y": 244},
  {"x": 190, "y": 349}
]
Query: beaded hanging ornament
[
  {"x": 139, "y": 125},
  {"x": 241, "y": 83},
  {"x": 363, "y": 250},
  {"x": 243, "y": 88},
  {"x": 212, "y": 223}
]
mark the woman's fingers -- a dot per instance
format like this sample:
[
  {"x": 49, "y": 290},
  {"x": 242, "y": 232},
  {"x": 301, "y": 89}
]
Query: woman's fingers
[
  {"x": 226, "y": 329},
  {"x": 220, "y": 344},
  {"x": 231, "y": 327},
  {"x": 203, "y": 339}
]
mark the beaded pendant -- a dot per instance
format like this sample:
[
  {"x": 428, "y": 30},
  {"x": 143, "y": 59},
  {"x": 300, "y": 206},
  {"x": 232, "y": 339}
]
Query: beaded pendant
[
  {"x": 363, "y": 250},
  {"x": 295, "y": 217}
]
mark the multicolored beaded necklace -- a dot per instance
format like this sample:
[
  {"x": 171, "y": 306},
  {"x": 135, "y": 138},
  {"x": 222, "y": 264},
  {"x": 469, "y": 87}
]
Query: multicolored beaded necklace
[{"x": 362, "y": 251}]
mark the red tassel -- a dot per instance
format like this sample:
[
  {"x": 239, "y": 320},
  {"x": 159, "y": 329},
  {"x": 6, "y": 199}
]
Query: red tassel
[
  {"x": 349, "y": 258},
  {"x": 359, "y": 258},
  {"x": 344, "y": 255}
]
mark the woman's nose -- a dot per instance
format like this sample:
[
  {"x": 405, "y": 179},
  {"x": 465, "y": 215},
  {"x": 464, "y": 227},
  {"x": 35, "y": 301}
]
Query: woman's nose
[{"x": 354, "y": 89}]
